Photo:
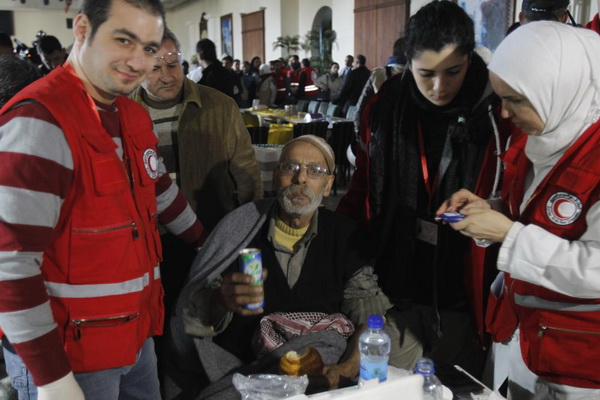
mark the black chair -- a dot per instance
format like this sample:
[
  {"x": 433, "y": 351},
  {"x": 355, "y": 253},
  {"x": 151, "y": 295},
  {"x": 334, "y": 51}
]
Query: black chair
[
  {"x": 258, "y": 134},
  {"x": 342, "y": 136},
  {"x": 317, "y": 128}
]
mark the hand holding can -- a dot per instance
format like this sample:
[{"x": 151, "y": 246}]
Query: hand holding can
[{"x": 251, "y": 264}]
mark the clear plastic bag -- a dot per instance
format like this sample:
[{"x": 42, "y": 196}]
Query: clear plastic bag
[{"x": 269, "y": 387}]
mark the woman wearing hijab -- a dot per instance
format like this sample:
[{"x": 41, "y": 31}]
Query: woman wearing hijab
[
  {"x": 547, "y": 76},
  {"x": 433, "y": 130}
]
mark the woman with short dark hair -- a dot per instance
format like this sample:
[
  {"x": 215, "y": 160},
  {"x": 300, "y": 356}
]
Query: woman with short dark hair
[{"x": 430, "y": 131}]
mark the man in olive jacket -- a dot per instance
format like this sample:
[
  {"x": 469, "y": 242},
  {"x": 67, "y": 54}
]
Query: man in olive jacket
[{"x": 205, "y": 148}]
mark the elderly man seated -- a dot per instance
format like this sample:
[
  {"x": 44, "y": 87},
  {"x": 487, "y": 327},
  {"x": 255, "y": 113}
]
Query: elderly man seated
[{"x": 317, "y": 279}]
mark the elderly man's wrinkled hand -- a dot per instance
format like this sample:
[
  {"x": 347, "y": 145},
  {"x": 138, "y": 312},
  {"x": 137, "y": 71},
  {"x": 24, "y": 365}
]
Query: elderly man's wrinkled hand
[
  {"x": 336, "y": 372},
  {"x": 483, "y": 223},
  {"x": 237, "y": 292}
]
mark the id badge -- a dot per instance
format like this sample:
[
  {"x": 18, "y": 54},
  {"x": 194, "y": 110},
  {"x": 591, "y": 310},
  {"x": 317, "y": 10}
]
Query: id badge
[{"x": 427, "y": 231}]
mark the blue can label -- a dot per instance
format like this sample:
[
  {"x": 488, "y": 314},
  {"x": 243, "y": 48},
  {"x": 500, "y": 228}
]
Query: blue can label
[
  {"x": 373, "y": 370},
  {"x": 251, "y": 264}
]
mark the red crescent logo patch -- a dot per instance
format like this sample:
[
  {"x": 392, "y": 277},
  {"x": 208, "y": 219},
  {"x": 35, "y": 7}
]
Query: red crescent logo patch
[
  {"x": 150, "y": 159},
  {"x": 563, "y": 208}
]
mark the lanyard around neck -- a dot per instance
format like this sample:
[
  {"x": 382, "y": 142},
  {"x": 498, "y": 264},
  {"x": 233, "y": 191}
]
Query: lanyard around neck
[{"x": 432, "y": 185}]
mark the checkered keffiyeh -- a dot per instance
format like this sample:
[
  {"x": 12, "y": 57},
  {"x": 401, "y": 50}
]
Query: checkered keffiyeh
[{"x": 278, "y": 328}]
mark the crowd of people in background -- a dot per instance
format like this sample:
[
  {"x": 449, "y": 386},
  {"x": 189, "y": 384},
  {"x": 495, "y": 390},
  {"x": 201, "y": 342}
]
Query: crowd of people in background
[{"x": 127, "y": 220}]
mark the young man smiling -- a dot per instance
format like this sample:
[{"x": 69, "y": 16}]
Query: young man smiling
[{"x": 81, "y": 295}]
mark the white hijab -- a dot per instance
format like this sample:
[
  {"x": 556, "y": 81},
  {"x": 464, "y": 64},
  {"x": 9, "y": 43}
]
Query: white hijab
[{"x": 557, "y": 68}]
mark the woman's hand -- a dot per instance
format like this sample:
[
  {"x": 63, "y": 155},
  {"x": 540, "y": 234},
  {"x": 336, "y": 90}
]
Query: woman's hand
[
  {"x": 462, "y": 200},
  {"x": 483, "y": 223}
]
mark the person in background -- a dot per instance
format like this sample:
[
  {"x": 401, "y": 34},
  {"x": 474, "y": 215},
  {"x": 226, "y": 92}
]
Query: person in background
[
  {"x": 255, "y": 64},
  {"x": 186, "y": 67},
  {"x": 594, "y": 24},
  {"x": 195, "y": 72},
  {"x": 238, "y": 88},
  {"x": 396, "y": 64},
  {"x": 237, "y": 67},
  {"x": 319, "y": 275},
  {"x": 205, "y": 148},
  {"x": 293, "y": 75},
  {"x": 6, "y": 45},
  {"x": 354, "y": 84},
  {"x": 307, "y": 90},
  {"x": 15, "y": 74},
  {"x": 348, "y": 66},
  {"x": 51, "y": 52},
  {"x": 267, "y": 90},
  {"x": 543, "y": 10},
  {"x": 279, "y": 75},
  {"x": 214, "y": 74},
  {"x": 82, "y": 296},
  {"x": 330, "y": 84},
  {"x": 430, "y": 131},
  {"x": 549, "y": 222},
  {"x": 250, "y": 82}
]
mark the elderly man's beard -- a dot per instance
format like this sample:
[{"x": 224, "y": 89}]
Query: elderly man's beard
[{"x": 297, "y": 207}]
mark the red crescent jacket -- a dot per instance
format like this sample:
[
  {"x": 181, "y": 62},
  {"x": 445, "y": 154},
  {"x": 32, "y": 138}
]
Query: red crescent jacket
[
  {"x": 560, "y": 335},
  {"x": 594, "y": 24},
  {"x": 310, "y": 89},
  {"x": 101, "y": 270}
]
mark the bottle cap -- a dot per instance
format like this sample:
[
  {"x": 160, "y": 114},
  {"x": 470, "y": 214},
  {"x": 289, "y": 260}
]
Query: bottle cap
[
  {"x": 425, "y": 367},
  {"x": 375, "y": 321}
]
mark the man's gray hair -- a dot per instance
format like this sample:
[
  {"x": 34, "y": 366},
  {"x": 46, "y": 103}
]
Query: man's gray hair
[{"x": 169, "y": 35}]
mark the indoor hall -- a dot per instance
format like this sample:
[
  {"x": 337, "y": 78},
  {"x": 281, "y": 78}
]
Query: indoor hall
[{"x": 320, "y": 31}]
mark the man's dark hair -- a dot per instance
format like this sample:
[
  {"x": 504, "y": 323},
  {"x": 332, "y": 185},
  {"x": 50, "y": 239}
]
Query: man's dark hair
[
  {"x": 554, "y": 15},
  {"x": 5, "y": 40},
  {"x": 362, "y": 60},
  {"x": 295, "y": 57},
  {"x": 228, "y": 59},
  {"x": 305, "y": 62},
  {"x": 544, "y": 10},
  {"x": 206, "y": 50},
  {"x": 48, "y": 44},
  {"x": 15, "y": 74},
  {"x": 97, "y": 10},
  {"x": 437, "y": 25}
]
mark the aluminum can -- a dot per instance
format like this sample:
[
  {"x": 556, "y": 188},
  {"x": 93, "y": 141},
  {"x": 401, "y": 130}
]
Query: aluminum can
[{"x": 251, "y": 264}]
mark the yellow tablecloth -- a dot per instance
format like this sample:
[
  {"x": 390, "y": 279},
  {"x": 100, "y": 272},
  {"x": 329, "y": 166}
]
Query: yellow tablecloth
[{"x": 280, "y": 133}]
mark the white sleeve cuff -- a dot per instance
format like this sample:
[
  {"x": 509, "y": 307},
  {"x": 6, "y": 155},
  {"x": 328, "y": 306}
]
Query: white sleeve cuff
[
  {"x": 507, "y": 246},
  {"x": 64, "y": 388}
]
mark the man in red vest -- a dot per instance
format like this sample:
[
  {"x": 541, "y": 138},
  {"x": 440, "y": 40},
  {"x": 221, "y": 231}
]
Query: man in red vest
[
  {"x": 307, "y": 90},
  {"x": 81, "y": 295}
]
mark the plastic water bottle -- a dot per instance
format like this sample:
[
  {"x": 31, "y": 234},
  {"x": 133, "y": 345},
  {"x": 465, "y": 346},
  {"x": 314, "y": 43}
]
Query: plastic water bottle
[
  {"x": 374, "y": 351},
  {"x": 432, "y": 387}
]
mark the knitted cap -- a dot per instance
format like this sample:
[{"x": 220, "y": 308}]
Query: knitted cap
[{"x": 320, "y": 144}]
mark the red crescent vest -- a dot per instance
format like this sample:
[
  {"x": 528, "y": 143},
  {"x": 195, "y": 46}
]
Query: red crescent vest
[
  {"x": 560, "y": 335},
  {"x": 101, "y": 269},
  {"x": 310, "y": 89}
]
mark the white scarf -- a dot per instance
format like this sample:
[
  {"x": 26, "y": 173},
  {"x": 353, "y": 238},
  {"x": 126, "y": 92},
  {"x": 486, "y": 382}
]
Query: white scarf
[{"x": 557, "y": 68}]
